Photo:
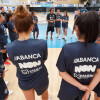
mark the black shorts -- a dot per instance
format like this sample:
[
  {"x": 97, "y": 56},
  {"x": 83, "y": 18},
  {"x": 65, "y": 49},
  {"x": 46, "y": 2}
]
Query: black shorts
[
  {"x": 3, "y": 89},
  {"x": 36, "y": 29},
  {"x": 57, "y": 25},
  {"x": 97, "y": 90},
  {"x": 40, "y": 88},
  {"x": 50, "y": 29},
  {"x": 64, "y": 25}
]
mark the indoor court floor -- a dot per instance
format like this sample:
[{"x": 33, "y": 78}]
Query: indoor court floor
[{"x": 54, "y": 48}]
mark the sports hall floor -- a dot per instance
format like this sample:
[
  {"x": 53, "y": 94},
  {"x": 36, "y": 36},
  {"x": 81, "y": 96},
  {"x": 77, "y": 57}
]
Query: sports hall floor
[{"x": 54, "y": 48}]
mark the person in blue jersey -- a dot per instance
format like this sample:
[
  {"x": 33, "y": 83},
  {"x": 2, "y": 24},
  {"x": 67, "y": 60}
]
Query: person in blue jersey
[
  {"x": 75, "y": 18},
  {"x": 79, "y": 68},
  {"x": 3, "y": 11},
  {"x": 29, "y": 56},
  {"x": 51, "y": 17},
  {"x": 3, "y": 39},
  {"x": 36, "y": 29},
  {"x": 11, "y": 27},
  {"x": 65, "y": 20},
  {"x": 96, "y": 97},
  {"x": 4, "y": 14},
  {"x": 3, "y": 88},
  {"x": 58, "y": 24}
]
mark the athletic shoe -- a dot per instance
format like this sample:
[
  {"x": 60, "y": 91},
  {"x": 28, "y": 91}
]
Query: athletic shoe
[
  {"x": 71, "y": 36},
  {"x": 6, "y": 82},
  {"x": 10, "y": 92},
  {"x": 6, "y": 63},
  {"x": 63, "y": 37},
  {"x": 7, "y": 58},
  {"x": 57, "y": 36}
]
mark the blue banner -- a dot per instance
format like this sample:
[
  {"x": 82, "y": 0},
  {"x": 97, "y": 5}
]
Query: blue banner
[
  {"x": 59, "y": 5},
  {"x": 38, "y": 3},
  {"x": 49, "y": 5},
  {"x": 70, "y": 5}
]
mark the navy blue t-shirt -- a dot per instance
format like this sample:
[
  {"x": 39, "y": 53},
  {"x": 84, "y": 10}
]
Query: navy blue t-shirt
[
  {"x": 28, "y": 56},
  {"x": 76, "y": 16},
  {"x": 2, "y": 68},
  {"x": 35, "y": 19},
  {"x": 58, "y": 17},
  {"x": 13, "y": 35},
  {"x": 51, "y": 17},
  {"x": 79, "y": 61},
  {"x": 3, "y": 34},
  {"x": 65, "y": 18}
]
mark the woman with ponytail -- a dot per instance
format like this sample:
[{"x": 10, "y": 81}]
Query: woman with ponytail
[
  {"x": 29, "y": 56},
  {"x": 11, "y": 27},
  {"x": 78, "y": 62}
]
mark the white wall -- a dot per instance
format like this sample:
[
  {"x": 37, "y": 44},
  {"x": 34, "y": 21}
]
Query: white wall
[{"x": 9, "y": 2}]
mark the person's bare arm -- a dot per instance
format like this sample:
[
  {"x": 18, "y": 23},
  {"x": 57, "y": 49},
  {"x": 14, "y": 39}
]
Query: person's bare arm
[
  {"x": 93, "y": 84},
  {"x": 68, "y": 78},
  {"x": 49, "y": 21},
  {"x": 64, "y": 20},
  {"x": 58, "y": 19},
  {"x": 35, "y": 22}
]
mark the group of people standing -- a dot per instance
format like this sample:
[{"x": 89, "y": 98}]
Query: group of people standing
[
  {"x": 6, "y": 24},
  {"x": 78, "y": 63},
  {"x": 55, "y": 21}
]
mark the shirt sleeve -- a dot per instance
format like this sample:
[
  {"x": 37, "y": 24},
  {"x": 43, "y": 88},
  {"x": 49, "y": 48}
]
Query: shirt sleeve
[
  {"x": 48, "y": 17},
  {"x": 55, "y": 16},
  {"x": 36, "y": 18},
  {"x": 45, "y": 52},
  {"x": 61, "y": 65},
  {"x": 10, "y": 52},
  {"x": 68, "y": 18}
]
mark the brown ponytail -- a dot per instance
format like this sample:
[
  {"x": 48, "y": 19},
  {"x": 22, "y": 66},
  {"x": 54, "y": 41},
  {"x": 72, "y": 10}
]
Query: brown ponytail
[{"x": 23, "y": 19}]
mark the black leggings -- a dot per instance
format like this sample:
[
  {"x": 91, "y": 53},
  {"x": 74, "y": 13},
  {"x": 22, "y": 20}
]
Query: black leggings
[
  {"x": 4, "y": 56},
  {"x": 3, "y": 90}
]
